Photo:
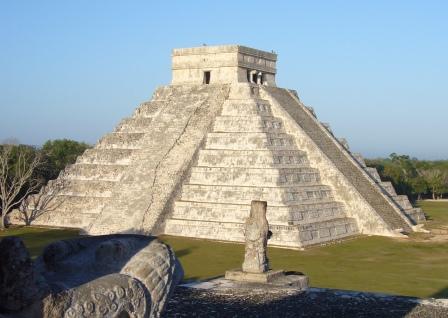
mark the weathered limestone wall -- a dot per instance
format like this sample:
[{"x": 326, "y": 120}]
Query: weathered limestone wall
[
  {"x": 368, "y": 219},
  {"x": 226, "y": 64},
  {"x": 126, "y": 182},
  {"x": 144, "y": 194}
]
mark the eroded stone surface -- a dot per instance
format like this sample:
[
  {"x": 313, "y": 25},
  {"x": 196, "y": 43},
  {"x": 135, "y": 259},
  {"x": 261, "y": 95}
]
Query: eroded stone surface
[
  {"x": 19, "y": 282},
  {"x": 102, "y": 276},
  {"x": 256, "y": 233},
  {"x": 255, "y": 268}
]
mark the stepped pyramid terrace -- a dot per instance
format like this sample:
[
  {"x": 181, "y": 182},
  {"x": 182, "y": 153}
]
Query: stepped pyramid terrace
[{"x": 190, "y": 161}]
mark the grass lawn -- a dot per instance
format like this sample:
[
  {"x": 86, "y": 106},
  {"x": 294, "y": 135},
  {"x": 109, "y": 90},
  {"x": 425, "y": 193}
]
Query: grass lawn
[
  {"x": 437, "y": 213},
  {"x": 380, "y": 264},
  {"x": 370, "y": 264},
  {"x": 36, "y": 238}
]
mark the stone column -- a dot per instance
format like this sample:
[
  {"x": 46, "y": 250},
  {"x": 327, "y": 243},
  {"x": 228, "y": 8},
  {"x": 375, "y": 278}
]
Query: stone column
[{"x": 259, "y": 75}]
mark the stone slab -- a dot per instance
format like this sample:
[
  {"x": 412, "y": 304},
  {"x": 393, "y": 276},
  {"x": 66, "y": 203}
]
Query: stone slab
[
  {"x": 292, "y": 282},
  {"x": 271, "y": 277},
  {"x": 266, "y": 277}
]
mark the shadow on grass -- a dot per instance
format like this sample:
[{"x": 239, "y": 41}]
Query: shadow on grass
[
  {"x": 443, "y": 293},
  {"x": 185, "y": 251}
]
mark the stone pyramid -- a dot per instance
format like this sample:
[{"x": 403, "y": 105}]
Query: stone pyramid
[{"x": 190, "y": 161}]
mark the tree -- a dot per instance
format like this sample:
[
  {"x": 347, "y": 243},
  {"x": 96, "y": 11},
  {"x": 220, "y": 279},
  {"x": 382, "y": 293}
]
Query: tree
[
  {"x": 18, "y": 166},
  {"x": 59, "y": 153},
  {"x": 444, "y": 188},
  {"x": 419, "y": 186},
  {"x": 435, "y": 180},
  {"x": 45, "y": 200}
]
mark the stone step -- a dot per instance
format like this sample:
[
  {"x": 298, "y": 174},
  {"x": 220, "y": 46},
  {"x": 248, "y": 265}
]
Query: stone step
[
  {"x": 290, "y": 215},
  {"x": 322, "y": 232},
  {"x": 373, "y": 173},
  {"x": 245, "y": 124},
  {"x": 360, "y": 159},
  {"x": 278, "y": 196},
  {"x": 149, "y": 109},
  {"x": 246, "y": 107},
  {"x": 250, "y": 141},
  {"x": 72, "y": 211},
  {"x": 114, "y": 224},
  {"x": 345, "y": 144},
  {"x": 403, "y": 201},
  {"x": 287, "y": 236},
  {"x": 134, "y": 125},
  {"x": 106, "y": 156},
  {"x": 88, "y": 188},
  {"x": 156, "y": 170},
  {"x": 83, "y": 171},
  {"x": 416, "y": 214},
  {"x": 253, "y": 158},
  {"x": 74, "y": 220},
  {"x": 387, "y": 185},
  {"x": 268, "y": 177},
  {"x": 327, "y": 126},
  {"x": 186, "y": 92},
  {"x": 344, "y": 161},
  {"x": 121, "y": 140},
  {"x": 83, "y": 204},
  {"x": 164, "y": 93}
]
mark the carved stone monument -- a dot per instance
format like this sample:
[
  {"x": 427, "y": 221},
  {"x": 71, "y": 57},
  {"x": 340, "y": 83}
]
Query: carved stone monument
[
  {"x": 103, "y": 276},
  {"x": 255, "y": 267},
  {"x": 256, "y": 233}
]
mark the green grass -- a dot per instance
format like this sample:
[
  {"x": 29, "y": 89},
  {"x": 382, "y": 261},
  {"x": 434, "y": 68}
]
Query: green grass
[
  {"x": 437, "y": 213},
  {"x": 380, "y": 264},
  {"x": 36, "y": 238},
  {"x": 369, "y": 264}
]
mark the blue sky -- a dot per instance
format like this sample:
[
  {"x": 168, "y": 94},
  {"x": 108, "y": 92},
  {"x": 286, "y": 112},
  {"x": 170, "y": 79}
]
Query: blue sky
[{"x": 377, "y": 71}]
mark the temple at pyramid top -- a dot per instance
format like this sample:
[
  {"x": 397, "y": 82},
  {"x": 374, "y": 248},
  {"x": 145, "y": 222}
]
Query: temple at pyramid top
[{"x": 223, "y": 64}]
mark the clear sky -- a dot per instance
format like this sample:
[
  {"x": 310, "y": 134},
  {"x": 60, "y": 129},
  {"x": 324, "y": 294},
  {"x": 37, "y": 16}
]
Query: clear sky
[{"x": 377, "y": 71}]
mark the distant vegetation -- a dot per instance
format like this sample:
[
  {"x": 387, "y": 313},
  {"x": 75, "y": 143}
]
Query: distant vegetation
[
  {"x": 59, "y": 153},
  {"x": 25, "y": 169},
  {"x": 416, "y": 178}
]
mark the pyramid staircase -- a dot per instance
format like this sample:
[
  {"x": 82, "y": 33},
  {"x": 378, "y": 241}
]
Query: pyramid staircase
[
  {"x": 415, "y": 214},
  {"x": 248, "y": 156},
  {"x": 395, "y": 209}
]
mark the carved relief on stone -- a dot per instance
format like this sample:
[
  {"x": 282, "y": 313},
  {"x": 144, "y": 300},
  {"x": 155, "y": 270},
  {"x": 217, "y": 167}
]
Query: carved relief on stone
[
  {"x": 256, "y": 234},
  {"x": 101, "y": 276}
]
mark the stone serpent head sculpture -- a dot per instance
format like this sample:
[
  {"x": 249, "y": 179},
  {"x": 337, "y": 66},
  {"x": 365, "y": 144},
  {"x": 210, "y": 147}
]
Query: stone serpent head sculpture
[{"x": 99, "y": 276}]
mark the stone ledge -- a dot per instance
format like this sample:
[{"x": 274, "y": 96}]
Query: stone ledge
[{"x": 268, "y": 279}]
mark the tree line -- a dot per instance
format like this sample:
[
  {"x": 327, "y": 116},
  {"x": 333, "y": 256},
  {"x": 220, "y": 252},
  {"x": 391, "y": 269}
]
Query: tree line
[
  {"x": 25, "y": 169},
  {"x": 415, "y": 178}
]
